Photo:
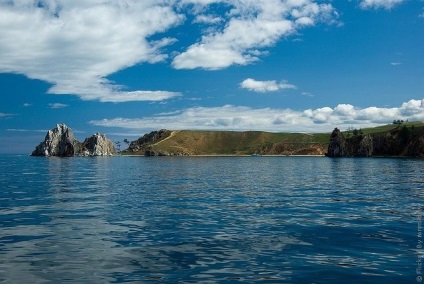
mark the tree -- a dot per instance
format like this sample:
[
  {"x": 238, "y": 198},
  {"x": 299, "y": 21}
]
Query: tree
[
  {"x": 126, "y": 141},
  {"x": 118, "y": 145}
]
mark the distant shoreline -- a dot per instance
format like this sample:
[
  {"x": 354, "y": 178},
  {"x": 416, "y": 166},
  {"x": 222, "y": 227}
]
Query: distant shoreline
[{"x": 223, "y": 155}]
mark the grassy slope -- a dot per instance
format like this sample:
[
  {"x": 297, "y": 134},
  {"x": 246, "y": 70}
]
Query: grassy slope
[
  {"x": 388, "y": 127},
  {"x": 234, "y": 143}
]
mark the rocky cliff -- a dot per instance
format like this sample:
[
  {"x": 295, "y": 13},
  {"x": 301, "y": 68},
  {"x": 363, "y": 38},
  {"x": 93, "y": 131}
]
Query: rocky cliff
[
  {"x": 142, "y": 146},
  {"x": 60, "y": 142},
  {"x": 400, "y": 141},
  {"x": 337, "y": 146},
  {"x": 97, "y": 145}
]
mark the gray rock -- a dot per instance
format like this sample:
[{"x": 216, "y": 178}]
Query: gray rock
[
  {"x": 97, "y": 145},
  {"x": 337, "y": 146},
  {"x": 60, "y": 142},
  {"x": 365, "y": 148}
]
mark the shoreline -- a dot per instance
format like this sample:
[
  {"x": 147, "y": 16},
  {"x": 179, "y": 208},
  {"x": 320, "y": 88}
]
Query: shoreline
[
  {"x": 225, "y": 155},
  {"x": 270, "y": 156}
]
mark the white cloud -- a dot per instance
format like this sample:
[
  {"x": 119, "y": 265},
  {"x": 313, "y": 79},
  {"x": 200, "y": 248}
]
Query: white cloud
[
  {"x": 395, "y": 63},
  {"x": 25, "y": 130},
  {"x": 57, "y": 105},
  {"x": 277, "y": 120},
  {"x": 27, "y": 104},
  {"x": 307, "y": 94},
  {"x": 140, "y": 96},
  {"x": 75, "y": 45},
  {"x": 265, "y": 86},
  {"x": 344, "y": 110},
  {"x": 2, "y": 114},
  {"x": 386, "y": 4},
  {"x": 207, "y": 19},
  {"x": 252, "y": 25}
]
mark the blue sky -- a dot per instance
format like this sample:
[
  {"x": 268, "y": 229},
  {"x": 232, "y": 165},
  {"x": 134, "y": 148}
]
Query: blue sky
[{"x": 128, "y": 67}]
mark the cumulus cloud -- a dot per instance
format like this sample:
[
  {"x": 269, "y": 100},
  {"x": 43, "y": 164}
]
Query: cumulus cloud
[
  {"x": 269, "y": 119},
  {"x": 75, "y": 45},
  {"x": 252, "y": 25},
  {"x": 386, "y": 4},
  {"x": 265, "y": 86}
]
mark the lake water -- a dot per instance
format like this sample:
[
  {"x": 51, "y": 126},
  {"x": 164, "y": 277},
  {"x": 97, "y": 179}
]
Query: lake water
[{"x": 210, "y": 220}]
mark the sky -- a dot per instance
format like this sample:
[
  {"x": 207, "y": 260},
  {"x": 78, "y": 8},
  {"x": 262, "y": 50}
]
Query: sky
[{"x": 128, "y": 67}]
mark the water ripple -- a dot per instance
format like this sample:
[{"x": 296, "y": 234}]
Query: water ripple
[{"x": 209, "y": 220}]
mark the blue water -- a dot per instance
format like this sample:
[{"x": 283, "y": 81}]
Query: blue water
[{"x": 210, "y": 220}]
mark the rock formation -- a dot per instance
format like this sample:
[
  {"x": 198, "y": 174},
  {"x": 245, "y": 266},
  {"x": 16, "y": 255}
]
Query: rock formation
[
  {"x": 337, "y": 146},
  {"x": 60, "y": 142},
  {"x": 400, "y": 141},
  {"x": 97, "y": 145},
  {"x": 142, "y": 145}
]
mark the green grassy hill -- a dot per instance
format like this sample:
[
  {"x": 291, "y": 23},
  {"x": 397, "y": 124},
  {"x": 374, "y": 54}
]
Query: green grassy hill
[
  {"x": 241, "y": 143},
  {"x": 386, "y": 128}
]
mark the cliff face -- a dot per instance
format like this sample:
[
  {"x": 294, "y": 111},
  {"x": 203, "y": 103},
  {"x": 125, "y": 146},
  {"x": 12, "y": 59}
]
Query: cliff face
[
  {"x": 400, "y": 141},
  {"x": 337, "y": 146},
  {"x": 97, "y": 145},
  {"x": 60, "y": 142}
]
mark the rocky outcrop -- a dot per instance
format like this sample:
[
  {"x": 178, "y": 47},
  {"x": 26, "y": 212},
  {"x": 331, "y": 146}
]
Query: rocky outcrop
[
  {"x": 97, "y": 145},
  {"x": 359, "y": 145},
  {"x": 60, "y": 142},
  {"x": 142, "y": 145},
  {"x": 337, "y": 146},
  {"x": 400, "y": 141},
  {"x": 416, "y": 147}
]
